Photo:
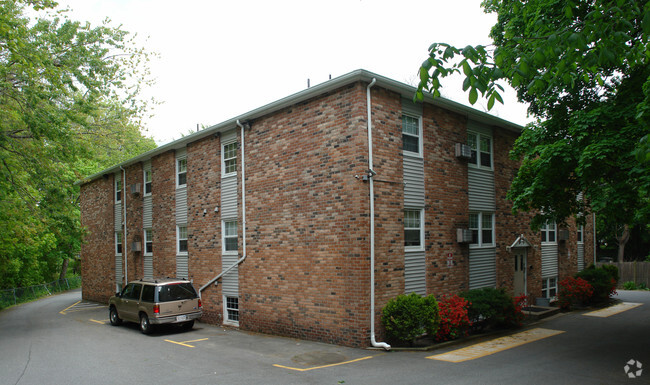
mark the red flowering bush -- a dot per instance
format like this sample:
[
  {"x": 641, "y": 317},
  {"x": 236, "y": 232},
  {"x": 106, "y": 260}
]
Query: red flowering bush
[
  {"x": 518, "y": 315},
  {"x": 574, "y": 291},
  {"x": 454, "y": 321}
]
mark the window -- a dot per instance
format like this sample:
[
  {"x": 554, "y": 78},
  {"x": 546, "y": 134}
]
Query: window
[
  {"x": 549, "y": 287},
  {"x": 147, "y": 293},
  {"x": 229, "y": 155},
  {"x": 118, "y": 189},
  {"x": 232, "y": 309},
  {"x": 411, "y": 134},
  {"x": 581, "y": 232},
  {"x": 413, "y": 229},
  {"x": 482, "y": 227},
  {"x": 549, "y": 231},
  {"x": 148, "y": 242},
  {"x": 147, "y": 182},
  {"x": 181, "y": 172},
  {"x": 181, "y": 236},
  {"x": 481, "y": 146},
  {"x": 118, "y": 243},
  {"x": 229, "y": 236}
]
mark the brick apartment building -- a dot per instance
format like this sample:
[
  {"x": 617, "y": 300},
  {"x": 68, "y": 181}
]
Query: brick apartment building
[{"x": 295, "y": 219}]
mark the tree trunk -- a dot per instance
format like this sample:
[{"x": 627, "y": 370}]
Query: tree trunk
[
  {"x": 64, "y": 269},
  {"x": 622, "y": 241}
]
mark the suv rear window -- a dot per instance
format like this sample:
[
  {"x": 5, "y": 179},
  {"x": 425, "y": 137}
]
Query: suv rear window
[{"x": 176, "y": 292}]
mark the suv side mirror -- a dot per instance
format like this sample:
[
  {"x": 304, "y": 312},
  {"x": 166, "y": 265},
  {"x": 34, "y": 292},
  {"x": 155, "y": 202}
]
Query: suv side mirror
[{"x": 118, "y": 294}]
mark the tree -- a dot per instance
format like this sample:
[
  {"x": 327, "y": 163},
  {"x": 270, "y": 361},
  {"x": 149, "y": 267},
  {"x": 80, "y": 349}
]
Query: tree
[
  {"x": 584, "y": 69},
  {"x": 69, "y": 106}
]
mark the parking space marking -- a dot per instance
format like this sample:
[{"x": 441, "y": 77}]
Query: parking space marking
[
  {"x": 494, "y": 346},
  {"x": 80, "y": 306},
  {"x": 323, "y": 366},
  {"x": 186, "y": 343},
  {"x": 610, "y": 311},
  {"x": 69, "y": 307},
  {"x": 98, "y": 322}
]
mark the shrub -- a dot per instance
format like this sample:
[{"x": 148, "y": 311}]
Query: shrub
[
  {"x": 601, "y": 280},
  {"x": 492, "y": 308},
  {"x": 454, "y": 322},
  {"x": 612, "y": 270},
  {"x": 574, "y": 291},
  {"x": 629, "y": 285},
  {"x": 406, "y": 317}
]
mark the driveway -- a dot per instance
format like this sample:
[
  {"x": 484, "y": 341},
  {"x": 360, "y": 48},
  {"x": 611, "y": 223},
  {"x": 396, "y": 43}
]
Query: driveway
[{"x": 63, "y": 340}]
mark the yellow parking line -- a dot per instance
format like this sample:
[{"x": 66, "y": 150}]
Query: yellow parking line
[
  {"x": 321, "y": 367},
  {"x": 63, "y": 311},
  {"x": 494, "y": 346},
  {"x": 186, "y": 343},
  {"x": 618, "y": 308},
  {"x": 98, "y": 322}
]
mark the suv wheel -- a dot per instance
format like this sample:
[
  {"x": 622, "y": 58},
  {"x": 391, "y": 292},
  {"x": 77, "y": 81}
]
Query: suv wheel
[
  {"x": 188, "y": 325},
  {"x": 145, "y": 326},
  {"x": 114, "y": 317}
]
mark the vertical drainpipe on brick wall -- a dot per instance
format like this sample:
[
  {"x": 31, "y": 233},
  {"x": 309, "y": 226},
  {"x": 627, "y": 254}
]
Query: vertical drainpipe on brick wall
[
  {"x": 125, "y": 244},
  {"x": 371, "y": 173}
]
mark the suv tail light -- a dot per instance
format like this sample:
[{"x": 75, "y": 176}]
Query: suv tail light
[
  {"x": 200, "y": 303},
  {"x": 156, "y": 309}
]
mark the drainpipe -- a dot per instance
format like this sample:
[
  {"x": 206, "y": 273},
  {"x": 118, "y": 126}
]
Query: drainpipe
[
  {"x": 243, "y": 204},
  {"x": 125, "y": 244},
  {"x": 595, "y": 242},
  {"x": 371, "y": 173}
]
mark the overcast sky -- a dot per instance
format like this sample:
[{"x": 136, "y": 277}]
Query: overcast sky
[{"x": 219, "y": 59}]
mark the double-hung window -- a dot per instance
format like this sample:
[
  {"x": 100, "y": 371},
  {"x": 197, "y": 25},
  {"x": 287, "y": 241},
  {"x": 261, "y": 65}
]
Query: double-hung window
[
  {"x": 118, "y": 190},
  {"x": 229, "y": 236},
  {"x": 413, "y": 229},
  {"x": 411, "y": 135},
  {"x": 229, "y": 158},
  {"x": 181, "y": 237},
  {"x": 232, "y": 310},
  {"x": 549, "y": 287},
  {"x": 148, "y": 242},
  {"x": 581, "y": 234},
  {"x": 147, "y": 182},
  {"x": 549, "y": 232},
  {"x": 181, "y": 172},
  {"x": 481, "y": 146},
  {"x": 482, "y": 226},
  {"x": 118, "y": 243}
]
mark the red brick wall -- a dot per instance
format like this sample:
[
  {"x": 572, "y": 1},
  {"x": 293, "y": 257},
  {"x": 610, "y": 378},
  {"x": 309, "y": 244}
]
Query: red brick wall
[
  {"x": 163, "y": 187},
  {"x": 98, "y": 248},
  {"x": 133, "y": 202}
]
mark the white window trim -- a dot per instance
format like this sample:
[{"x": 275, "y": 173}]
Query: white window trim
[
  {"x": 223, "y": 159},
  {"x": 118, "y": 180},
  {"x": 581, "y": 230},
  {"x": 223, "y": 237},
  {"x": 144, "y": 182},
  {"x": 420, "y": 136},
  {"x": 478, "y": 165},
  {"x": 227, "y": 321},
  {"x": 421, "y": 247},
  {"x": 545, "y": 229},
  {"x": 178, "y": 171},
  {"x": 546, "y": 292},
  {"x": 479, "y": 242},
  {"x": 145, "y": 239},
  {"x": 117, "y": 235},
  {"x": 178, "y": 240}
]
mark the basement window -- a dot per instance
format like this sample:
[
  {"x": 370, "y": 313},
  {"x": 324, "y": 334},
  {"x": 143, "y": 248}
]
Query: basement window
[{"x": 232, "y": 309}]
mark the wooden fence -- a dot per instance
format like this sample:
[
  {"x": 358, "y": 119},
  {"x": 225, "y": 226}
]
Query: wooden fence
[{"x": 637, "y": 272}]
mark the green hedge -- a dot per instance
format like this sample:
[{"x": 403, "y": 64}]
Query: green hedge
[
  {"x": 407, "y": 317},
  {"x": 492, "y": 308}
]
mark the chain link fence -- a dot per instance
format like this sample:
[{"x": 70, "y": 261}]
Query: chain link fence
[{"x": 9, "y": 297}]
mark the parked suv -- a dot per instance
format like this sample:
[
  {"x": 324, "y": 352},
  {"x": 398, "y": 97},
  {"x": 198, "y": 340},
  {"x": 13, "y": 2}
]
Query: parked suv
[{"x": 153, "y": 302}]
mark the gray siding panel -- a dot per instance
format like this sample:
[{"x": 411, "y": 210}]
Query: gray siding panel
[
  {"x": 481, "y": 190},
  {"x": 229, "y": 197},
  {"x": 411, "y": 108},
  {"x": 230, "y": 280},
  {"x": 148, "y": 267},
  {"x": 413, "y": 182},
  {"x": 182, "y": 266},
  {"x": 549, "y": 261},
  {"x": 118, "y": 270},
  {"x": 415, "y": 272},
  {"x": 147, "y": 212},
  {"x": 482, "y": 268},
  {"x": 118, "y": 216},
  {"x": 581, "y": 256},
  {"x": 181, "y": 206}
]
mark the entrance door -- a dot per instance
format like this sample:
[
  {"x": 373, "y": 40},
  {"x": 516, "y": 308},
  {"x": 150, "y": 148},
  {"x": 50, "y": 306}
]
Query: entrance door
[{"x": 520, "y": 271}]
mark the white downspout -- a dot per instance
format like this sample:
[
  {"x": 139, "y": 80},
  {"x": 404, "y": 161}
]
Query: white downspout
[
  {"x": 371, "y": 173},
  {"x": 595, "y": 239},
  {"x": 125, "y": 244},
  {"x": 243, "y": 215}
]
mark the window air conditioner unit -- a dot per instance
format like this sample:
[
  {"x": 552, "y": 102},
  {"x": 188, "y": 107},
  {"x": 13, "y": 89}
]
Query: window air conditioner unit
[
  {"x": 463, "y": 151},
  {"x": 464, "y": 235},
  {"x": 136, "y": 246},
  {"x": 563, "y": 235},
  {"x": 135, "y": 188}
]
